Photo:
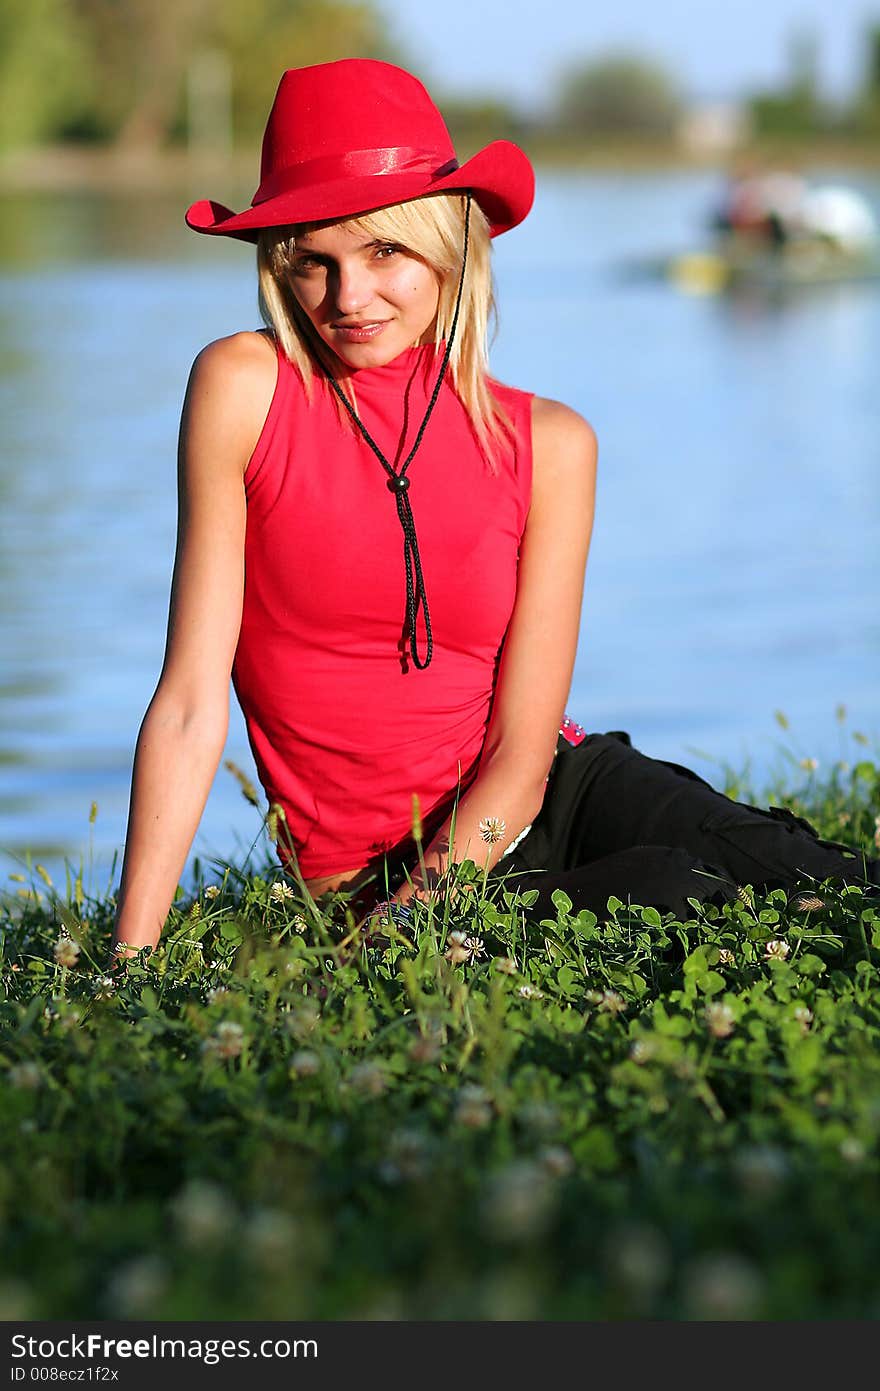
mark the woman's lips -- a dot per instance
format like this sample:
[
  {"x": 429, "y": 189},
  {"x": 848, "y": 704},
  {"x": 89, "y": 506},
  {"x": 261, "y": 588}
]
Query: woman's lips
[{"x": 359, "y": 333}]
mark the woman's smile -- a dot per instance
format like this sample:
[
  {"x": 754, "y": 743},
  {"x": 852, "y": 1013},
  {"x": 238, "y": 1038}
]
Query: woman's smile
[{"x": 361, "y": 332}]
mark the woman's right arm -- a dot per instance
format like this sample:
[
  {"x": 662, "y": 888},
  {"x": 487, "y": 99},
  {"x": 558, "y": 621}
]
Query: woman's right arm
[{"x": 183, "y": 732}]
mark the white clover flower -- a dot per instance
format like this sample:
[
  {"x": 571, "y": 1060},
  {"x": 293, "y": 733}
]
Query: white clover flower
[
  {"x": 851, "y": 1149},
  {"x": 368, "y": 1079},
  {"x": 212, "y": 891},
  {"x": 804, "y": 1016},
  {"x": 460, "y": 947},
  {"x": 638, "y": 1257},
  {"x": 303, "y": 1019},
  {"x": 720, "y": 1019},
  {"x": 298, "y": 923},
  {"x": 492, "y": 829},
  {"x": 506, "y": 964},
  {"x": 519, "y": 1201},
  {"x": 218, "y": 993},
  {"x": 457, "y": 949},
  {"x": 760, "y": 1169},
  {"x": 425, "y": 1047},
  {"x": 134, "y": 1287},
  {"x": 281, "y": 890},
  {"x": 203, "y": 1212},
  {"x": 776, "y": 950},
  {"x": 529, "y": 992},
  {"x": 722, "y": 1285},
  {"x": 642, "y": 1050},
  {"x": 104, "y": 987},
  {"x": 726, "y": 957},
  {"x": 27, "y": 1077},
  {"x": 305, "y": 1063},
  {"x": 407, "y": 1153},
  {"x": 270, "y": 1237},
  {"x": 227, "y": 1040},
  {"x": 611, "y": 1002},
  {"x": 473, "y": 1108},
  {"x": 556, "y": 1160},
  {"x": 66, "y": 951},
  {"x": 539, "y": 1116}
]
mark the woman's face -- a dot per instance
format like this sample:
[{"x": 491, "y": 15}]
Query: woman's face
[{"x": 367, "y": 299}]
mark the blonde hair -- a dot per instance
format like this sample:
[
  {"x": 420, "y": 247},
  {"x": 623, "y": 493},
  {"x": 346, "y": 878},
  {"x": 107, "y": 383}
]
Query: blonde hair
[{"x": 433, "y": 229}]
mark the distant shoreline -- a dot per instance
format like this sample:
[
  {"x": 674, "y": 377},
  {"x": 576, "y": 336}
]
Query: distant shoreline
[{"x": 111, "y": 169}]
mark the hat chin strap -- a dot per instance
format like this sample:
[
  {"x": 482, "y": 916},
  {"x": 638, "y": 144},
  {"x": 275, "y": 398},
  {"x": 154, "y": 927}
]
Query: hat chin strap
[{"x": 398, "y": 483}]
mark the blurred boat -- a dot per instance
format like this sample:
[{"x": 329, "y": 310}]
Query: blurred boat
[
  {"x": 775, "y": 234},
  {"x": 713, "y": 272}
]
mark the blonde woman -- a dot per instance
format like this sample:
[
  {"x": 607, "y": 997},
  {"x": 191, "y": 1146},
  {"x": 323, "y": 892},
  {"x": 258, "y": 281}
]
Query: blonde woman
[{"x": 385, "y": 549}]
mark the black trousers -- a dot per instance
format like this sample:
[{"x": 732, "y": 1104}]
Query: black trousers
[{"x": 650, "y": 832}]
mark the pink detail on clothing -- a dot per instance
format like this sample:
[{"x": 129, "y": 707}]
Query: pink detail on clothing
[
  {"x": 573, "y": 732},
  {"x": 343, "y": 728}
]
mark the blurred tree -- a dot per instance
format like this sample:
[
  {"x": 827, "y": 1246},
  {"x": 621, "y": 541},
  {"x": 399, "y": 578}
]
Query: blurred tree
[
  {"x": 798, "y": 108},
  {"x": 474, "y": 123},
  {"x": 263, "y": 37},
  {"x": 120, "y": 69},
  {"x": 45, "y": 76},
  {"x": 866, "y": 107},
  {"x": 620, "y": 94},
  {"x": 139, "y": 52}
]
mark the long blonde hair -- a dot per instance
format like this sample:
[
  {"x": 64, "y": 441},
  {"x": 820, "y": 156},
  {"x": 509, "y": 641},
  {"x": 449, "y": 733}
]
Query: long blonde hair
[{"x": 433, "y": 229}]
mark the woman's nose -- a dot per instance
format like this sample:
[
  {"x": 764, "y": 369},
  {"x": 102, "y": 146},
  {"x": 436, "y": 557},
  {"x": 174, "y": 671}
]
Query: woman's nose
[{"x": 353, "y": 288}]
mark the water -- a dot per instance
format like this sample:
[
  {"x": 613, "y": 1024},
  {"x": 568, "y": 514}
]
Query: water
[{"x": 734, "y": 566}]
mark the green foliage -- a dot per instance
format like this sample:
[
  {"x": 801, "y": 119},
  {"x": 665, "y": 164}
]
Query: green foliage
[
  {"x": 620, "y": 94},
  {"x": 253, "y": 35},
  {"x": 794, "y": 113},
  {"x": 44, "y": 70},
  {"x": 118, "y": 69},
  {"x": 582, "y": 1117}
]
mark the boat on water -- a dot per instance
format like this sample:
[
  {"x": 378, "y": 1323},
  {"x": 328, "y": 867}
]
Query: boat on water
[
  {"x": 718, "y": 271},
  {"x": 773, "y": 234}
]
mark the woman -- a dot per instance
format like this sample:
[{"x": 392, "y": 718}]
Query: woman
[{"x": 360, "y": 429}]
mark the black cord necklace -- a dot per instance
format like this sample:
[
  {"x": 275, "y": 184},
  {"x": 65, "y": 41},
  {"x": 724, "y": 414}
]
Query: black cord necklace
[{"x": 398, "y": 483}]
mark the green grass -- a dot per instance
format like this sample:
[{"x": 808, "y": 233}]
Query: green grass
[{"x": 633, "y": 1117}]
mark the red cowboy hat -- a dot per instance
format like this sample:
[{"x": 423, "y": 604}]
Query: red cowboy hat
[{"x": 344, "y": 138}]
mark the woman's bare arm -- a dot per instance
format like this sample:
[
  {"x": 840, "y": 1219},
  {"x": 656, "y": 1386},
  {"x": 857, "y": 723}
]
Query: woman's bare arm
[
  {"x": 183, "y": 732},
  {"x": 539, "y": 651}
]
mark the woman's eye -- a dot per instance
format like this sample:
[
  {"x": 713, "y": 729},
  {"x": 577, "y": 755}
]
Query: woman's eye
[
  {"x": 303, "y": 263},
  {"x": 383, "y": 252}
]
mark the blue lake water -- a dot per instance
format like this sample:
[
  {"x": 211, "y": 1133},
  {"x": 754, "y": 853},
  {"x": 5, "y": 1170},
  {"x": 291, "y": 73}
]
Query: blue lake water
[{"x": 734, "y": 564}]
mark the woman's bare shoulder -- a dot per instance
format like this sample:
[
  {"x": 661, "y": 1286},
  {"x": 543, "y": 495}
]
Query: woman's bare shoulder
[
  {"x": 233, "y": 380},
  {"x": 554, "y": 421},
  {"x": 564, "y": 443},
  {"x": 247, "y": 358}
]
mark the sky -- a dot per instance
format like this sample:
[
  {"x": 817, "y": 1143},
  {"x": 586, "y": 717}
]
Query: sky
[{"x": 517, "y": 48}]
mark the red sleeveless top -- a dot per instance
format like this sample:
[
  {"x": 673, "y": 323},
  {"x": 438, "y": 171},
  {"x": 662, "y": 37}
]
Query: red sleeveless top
[{"x": 342, "y": 726}]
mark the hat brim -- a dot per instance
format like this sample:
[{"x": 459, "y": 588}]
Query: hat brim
[{"x": 500, "y": 177}]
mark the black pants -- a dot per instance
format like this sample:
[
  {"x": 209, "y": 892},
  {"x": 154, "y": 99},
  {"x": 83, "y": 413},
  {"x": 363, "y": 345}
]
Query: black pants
[{"x": 616, "y": 822}]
